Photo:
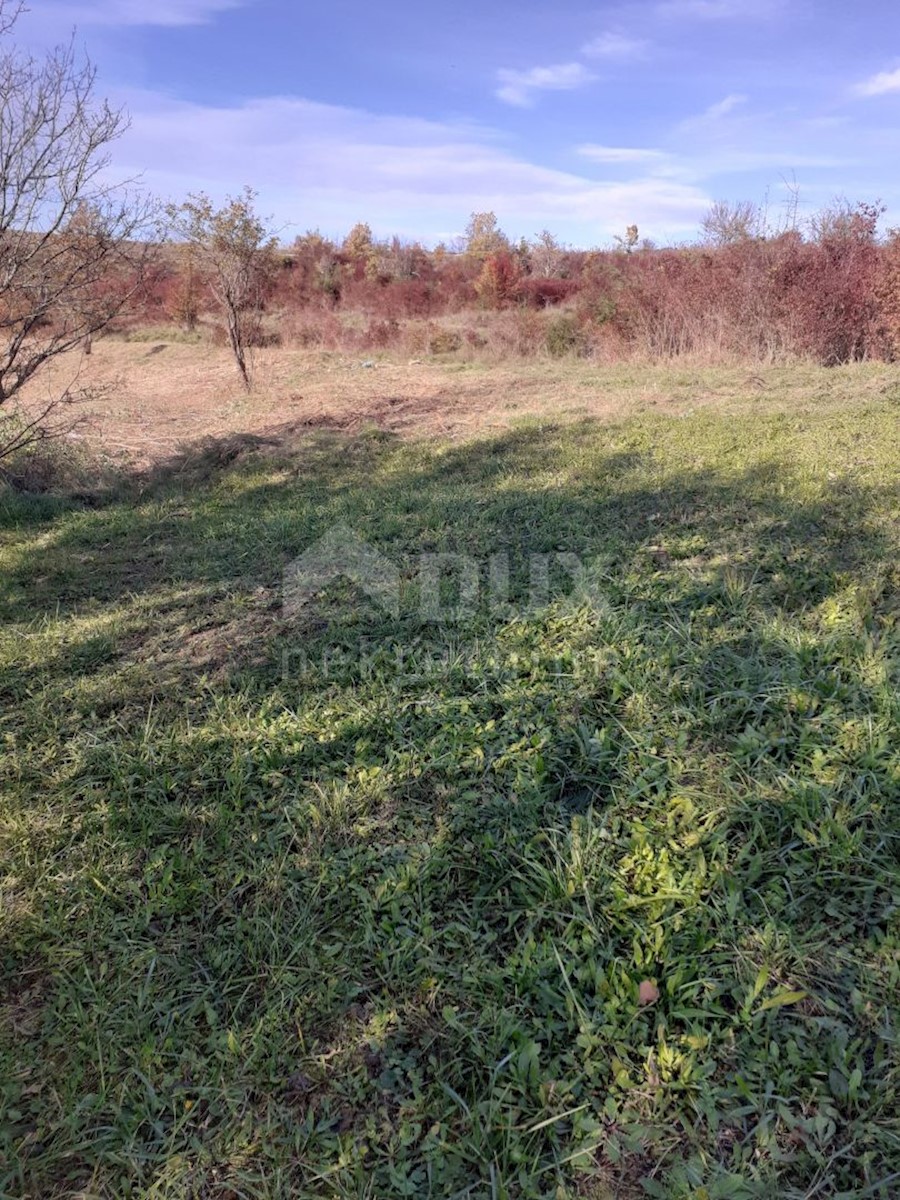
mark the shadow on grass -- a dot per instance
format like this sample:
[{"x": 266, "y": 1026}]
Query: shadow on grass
[{"x": 350, "y": 901}]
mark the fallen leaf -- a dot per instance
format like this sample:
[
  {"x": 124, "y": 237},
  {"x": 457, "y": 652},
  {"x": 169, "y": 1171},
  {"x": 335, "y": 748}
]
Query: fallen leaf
[{"x": 648, "y": 992}]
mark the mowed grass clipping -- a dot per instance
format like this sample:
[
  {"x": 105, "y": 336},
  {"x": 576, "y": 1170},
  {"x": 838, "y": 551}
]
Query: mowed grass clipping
[{"x": 355, "y": 906}]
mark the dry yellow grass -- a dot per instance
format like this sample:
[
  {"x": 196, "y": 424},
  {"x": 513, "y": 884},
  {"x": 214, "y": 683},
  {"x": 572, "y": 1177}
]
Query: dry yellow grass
[{"x": 154, "y": 398}]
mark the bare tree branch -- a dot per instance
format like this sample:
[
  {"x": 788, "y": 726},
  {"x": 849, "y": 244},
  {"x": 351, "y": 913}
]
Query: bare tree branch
[
  {"x": 73, "y": 246},
  {"x": 9, "y": 14}
]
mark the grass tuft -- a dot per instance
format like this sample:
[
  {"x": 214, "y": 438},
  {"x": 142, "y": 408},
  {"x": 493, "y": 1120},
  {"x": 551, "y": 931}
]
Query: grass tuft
[{"x": 349, "y": 905}]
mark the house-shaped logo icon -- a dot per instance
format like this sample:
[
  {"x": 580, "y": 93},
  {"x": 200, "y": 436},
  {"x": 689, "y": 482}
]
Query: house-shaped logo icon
[{"x": 341, "y": 554}]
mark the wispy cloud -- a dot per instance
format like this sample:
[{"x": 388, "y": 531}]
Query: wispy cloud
[
  {"x": 624, "y": 155},
  {"x": 732, "y": 138},
  {"x": 723, "y": 107},
  {"x": 881, "y": 84},
  {"x": 520, "y": 87},
  {"x": 614, "y": 46},
  {"x": 121, "y": 13},
  {"x": 319, "y": 164},
  {"x": 702, "y": 149}
]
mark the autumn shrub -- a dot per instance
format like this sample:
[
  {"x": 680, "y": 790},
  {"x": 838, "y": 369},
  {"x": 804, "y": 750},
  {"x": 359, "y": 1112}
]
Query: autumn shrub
[
  {"x": 564, "y": 335},
  {"x": 257, "y": 335},
  {"x": 712, "y": 303},
  {"x": 327, "y": 280},
  {"x": 393, "y": 299},
  {"x": 759, "y": 298},
  {"x": 415, "y": 297},
  {"x": 499, "y": 280},
  {"x": 380, "y": 334},
  {"x": 153, "y": 299},
  {"x": 184, "y": 300},
  {"x": 457, "y": 283},
  {"x": 837, "y": 293},
  {"x": 887, "y": 290},
  {"x": 415, "y": 337},
  {"x": 357, "y": 293},
  {"x": 313, "y": 329},
  {"x": 516, "y": 333},
  {"x": 443, "y": 341},
  {"x": 829, "y": 292},
  {"x": 545, "y": 292},
  {"x": 651, "y": 309},
  {"x": 709, "y": 303}
]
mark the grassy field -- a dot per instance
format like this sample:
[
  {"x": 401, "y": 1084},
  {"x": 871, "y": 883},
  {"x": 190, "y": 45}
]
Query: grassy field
[{"x": 343, "y": 904}]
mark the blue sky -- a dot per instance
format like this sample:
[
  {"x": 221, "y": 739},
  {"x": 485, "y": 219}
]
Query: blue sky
[{"x": 577, "y": 117}]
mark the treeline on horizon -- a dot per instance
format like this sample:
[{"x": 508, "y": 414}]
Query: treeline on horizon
[{"x": 828, "y": 292}]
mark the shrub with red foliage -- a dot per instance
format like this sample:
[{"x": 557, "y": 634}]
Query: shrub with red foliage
[
  {"x": 498, "y": 282},
  {"x": 415, "y": 297},
  {"x": 757, "y": 298},
  {"x": 458, "y": 275},
  {"x": 832, "y": 286},
  {"x": 887, "y": 292},
  {"x": 381, "y": 334},
  {"x": 832, "y": 295},
  {"x": 543, "y": 293}
]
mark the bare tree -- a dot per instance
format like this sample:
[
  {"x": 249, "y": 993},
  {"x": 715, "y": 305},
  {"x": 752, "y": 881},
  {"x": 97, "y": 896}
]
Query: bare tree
[
  {"x": 727, "y": 224},
  {"x": 72, "y": 245},
  {"x": 234, "y": 248},
  {"x": 547, "y": 256},
  {"x": 842, "y": 221},
  {"x": 9, "y": 14}
]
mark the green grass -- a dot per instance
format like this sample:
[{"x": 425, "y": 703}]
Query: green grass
[{"x": 372, "y": 922}]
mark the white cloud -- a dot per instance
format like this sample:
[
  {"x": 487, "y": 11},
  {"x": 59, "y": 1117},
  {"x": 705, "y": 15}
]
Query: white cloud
[
  {"x": 726, "y": 123},
  {"x": 723, "y": 107},
  {"x": 620, "y": 154},
  {"x": 702, "y": 150},
  {"x": 519, "y": 87},
  {"x": 322, "y": 165},
  {"x": 120, "y": 13},
  {"x": 615, "y": 47},
  {"x": 881, "y": 84},
  {"x": 730, "y": 138}
]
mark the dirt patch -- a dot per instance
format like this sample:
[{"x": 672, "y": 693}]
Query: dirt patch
[{"x": 150, "y": 403}]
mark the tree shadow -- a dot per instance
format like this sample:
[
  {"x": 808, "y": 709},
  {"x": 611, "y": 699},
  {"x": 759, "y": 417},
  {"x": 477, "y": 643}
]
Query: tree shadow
[{"x": 681, "y": 772}]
